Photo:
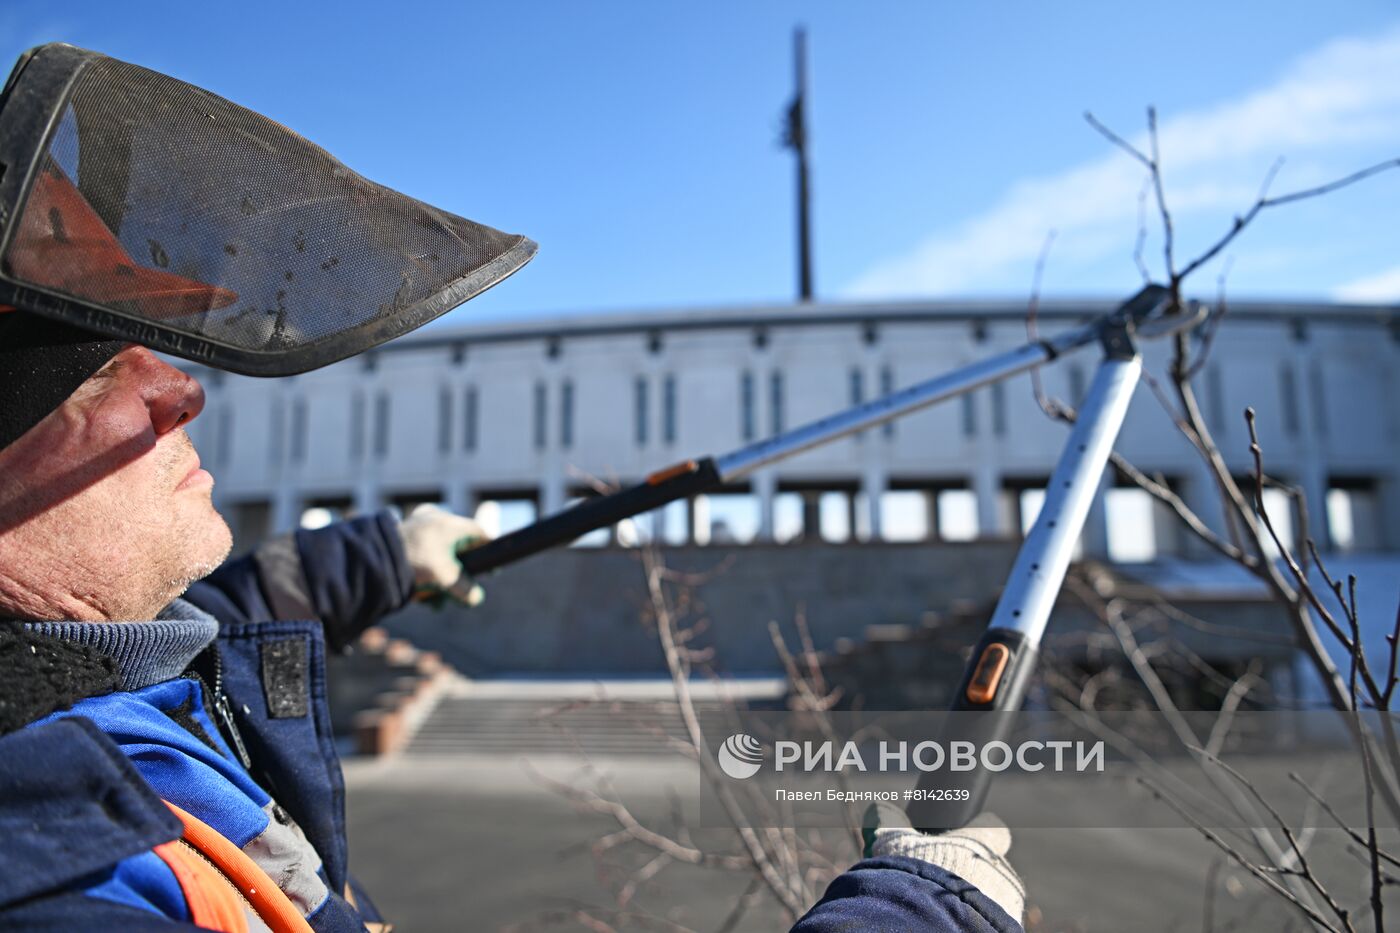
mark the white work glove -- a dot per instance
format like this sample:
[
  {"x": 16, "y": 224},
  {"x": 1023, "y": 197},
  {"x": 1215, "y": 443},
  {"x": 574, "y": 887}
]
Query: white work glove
[
  {"x": 976, "y": 853},
  {"x": 432, "y": 536}
]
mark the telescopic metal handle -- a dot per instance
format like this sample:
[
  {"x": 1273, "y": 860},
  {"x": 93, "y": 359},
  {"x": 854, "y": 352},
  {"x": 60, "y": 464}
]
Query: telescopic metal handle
[{"x": 999, "y": 670}]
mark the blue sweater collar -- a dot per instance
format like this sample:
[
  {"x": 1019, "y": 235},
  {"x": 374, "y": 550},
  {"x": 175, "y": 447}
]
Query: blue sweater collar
[{"x": 146, "y": 653}]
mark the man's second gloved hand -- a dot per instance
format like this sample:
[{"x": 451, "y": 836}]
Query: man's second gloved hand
[
  {"x": 432, "y": 536},
  {"x": 976, "y": 853}
]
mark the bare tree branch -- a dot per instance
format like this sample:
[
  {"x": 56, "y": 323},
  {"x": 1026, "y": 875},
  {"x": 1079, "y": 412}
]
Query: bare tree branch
[
  {"x": 1266, "y": 202},
  {"x": 1239, "y": 858}
]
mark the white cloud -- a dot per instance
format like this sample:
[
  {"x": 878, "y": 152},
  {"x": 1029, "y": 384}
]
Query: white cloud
[
  {"x": 1343, "y": 95},
  {"x": 1383, "y": 287}
]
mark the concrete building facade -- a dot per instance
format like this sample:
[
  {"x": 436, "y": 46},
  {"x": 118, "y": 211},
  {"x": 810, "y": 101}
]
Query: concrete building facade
[{"x": 530, "y": 415}]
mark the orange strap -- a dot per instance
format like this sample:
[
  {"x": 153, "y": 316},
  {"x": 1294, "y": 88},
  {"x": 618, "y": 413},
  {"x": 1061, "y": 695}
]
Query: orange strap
[
  {"x": 275, "y": 909},
  {"x": 213, "y": 903}
]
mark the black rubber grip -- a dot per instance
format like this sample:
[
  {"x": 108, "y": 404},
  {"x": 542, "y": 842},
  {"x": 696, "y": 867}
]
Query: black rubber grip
[
  {"x": 1007, "y": 693},
  {"x": 600, "y": 512}
]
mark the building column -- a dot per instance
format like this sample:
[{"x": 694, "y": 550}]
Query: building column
[
  {"x": 873, "y": 484},
  {"x": 765, "y": 488},
  {"x": 986, "y": 485},
  {"x": 1388, "y": 521},
  {"x": 457, "y": 498},
  {"x": 367, "y": 498},
  {"x": 1167, "y": 532},
  {"x": 1314, "y": 483},
  {"x": 811, "y": 516},
  {"x": 552, "y": 494},
  {"x": 699, "y": 520},
  {"x": 1201, "y": 496},
  {"x": 286, "y": 510},
  {"x": 1312, "y": 425},
  {"x": 1095, "y": 533},
  {"x": 659, "y": 526}
]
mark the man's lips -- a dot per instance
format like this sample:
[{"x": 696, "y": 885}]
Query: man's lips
[{"x": 196, "y": 477}]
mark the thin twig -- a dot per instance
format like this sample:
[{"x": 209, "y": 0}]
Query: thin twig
[
  {"x": 1336, "y": 818},
  {"x": 741, "y": 906},
  {"x": 1238, "y": 691},
  {"x": 1234, "y": 853},
  {"x": 1053, "y": 408},
  {"x": 1211, "y": 327},
  {"x": 1265, "y": 202},
  {"x": 1304, "y": 868}
]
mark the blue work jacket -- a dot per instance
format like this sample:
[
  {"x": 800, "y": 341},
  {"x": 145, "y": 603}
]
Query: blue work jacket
[{"x": 81, "y": 801}]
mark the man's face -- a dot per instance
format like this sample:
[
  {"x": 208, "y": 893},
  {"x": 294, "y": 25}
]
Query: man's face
[{"x": 104, "y": 512}]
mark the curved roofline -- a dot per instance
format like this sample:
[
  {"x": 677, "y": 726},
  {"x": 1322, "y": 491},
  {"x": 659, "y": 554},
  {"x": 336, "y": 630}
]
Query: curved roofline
[{"x": 661, "y": 320}]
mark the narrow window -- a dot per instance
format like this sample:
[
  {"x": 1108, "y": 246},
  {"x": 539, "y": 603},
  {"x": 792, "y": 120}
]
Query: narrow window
[
  {"x": 299, "y": 430},
  {"x": 746, "y": 405},
  {"x": 1288, "y": 394},
  {"x": 540, "y": 415},
  {"x": 1319, "y": 401},
  {"x": 887, "y": 388},
  {"x": 969, "y": 414},
  {"x": 999, "y": 409},
  {"x": 857, "y": 392},
  {"x": 444, "y": 420},
  {"x": 381, "y": 424},
  {"x": 639, "y": 406},
  {"x": 775, "y": 400},
  {"x": 1076, "y": 385},
  {"x": 225, "y": 433},
  {"x": 278, "y": 432},
  {"x": 668, "y": 413},
  {"x": 469, "y": 419},
  {"x": 357, "y": 426},
  {"x": 566, "y": 415},
  {"x": 1215, "y": 399}
]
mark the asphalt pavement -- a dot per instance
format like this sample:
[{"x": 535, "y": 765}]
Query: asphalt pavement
[
  {"x": 467, "y": 829},
  {"x": 478, "y": 842}
]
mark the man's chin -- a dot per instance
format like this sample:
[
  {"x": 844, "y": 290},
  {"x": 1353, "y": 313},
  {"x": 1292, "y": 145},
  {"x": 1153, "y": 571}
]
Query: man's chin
[{"x": 208, "y": 545}]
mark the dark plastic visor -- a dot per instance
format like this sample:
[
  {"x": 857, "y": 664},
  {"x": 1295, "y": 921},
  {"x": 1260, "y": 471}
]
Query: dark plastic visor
[{"x": 141, "y": 208}]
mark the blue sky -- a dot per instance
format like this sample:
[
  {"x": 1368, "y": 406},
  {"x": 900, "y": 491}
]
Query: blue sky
[{"x": 637, "y": 142}]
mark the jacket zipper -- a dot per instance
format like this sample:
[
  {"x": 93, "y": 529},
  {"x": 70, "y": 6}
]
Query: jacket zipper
[{"x": 223, "y": 711}]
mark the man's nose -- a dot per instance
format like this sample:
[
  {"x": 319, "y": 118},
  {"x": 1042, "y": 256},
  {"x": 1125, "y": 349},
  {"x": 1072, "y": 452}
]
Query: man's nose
[{"x": 172, "y": 397}]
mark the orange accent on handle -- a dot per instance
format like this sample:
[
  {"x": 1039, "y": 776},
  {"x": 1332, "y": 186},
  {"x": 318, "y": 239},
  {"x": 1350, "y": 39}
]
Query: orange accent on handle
[
  {"x": 671, "y": 472},
  {"x": 275, "y": 909},
  {"x": 987, "y": 676},
  {"x": 213, "y": 903},
  {"x": 6, "y": 309}
]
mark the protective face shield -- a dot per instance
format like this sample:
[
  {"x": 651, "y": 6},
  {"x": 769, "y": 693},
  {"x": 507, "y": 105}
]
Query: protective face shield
[{"x": 138, "y": 208}]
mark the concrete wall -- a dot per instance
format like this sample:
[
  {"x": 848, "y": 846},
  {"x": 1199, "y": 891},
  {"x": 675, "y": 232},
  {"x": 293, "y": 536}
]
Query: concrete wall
[{"x": 581, "y": 612}]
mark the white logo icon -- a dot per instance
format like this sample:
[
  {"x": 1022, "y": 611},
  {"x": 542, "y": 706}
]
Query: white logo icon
[{"x": 741, "y": 756}]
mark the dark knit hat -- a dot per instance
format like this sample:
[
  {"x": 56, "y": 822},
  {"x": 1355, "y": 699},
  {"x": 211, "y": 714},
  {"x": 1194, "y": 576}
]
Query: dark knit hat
[{"x": 41, "y": 363}]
